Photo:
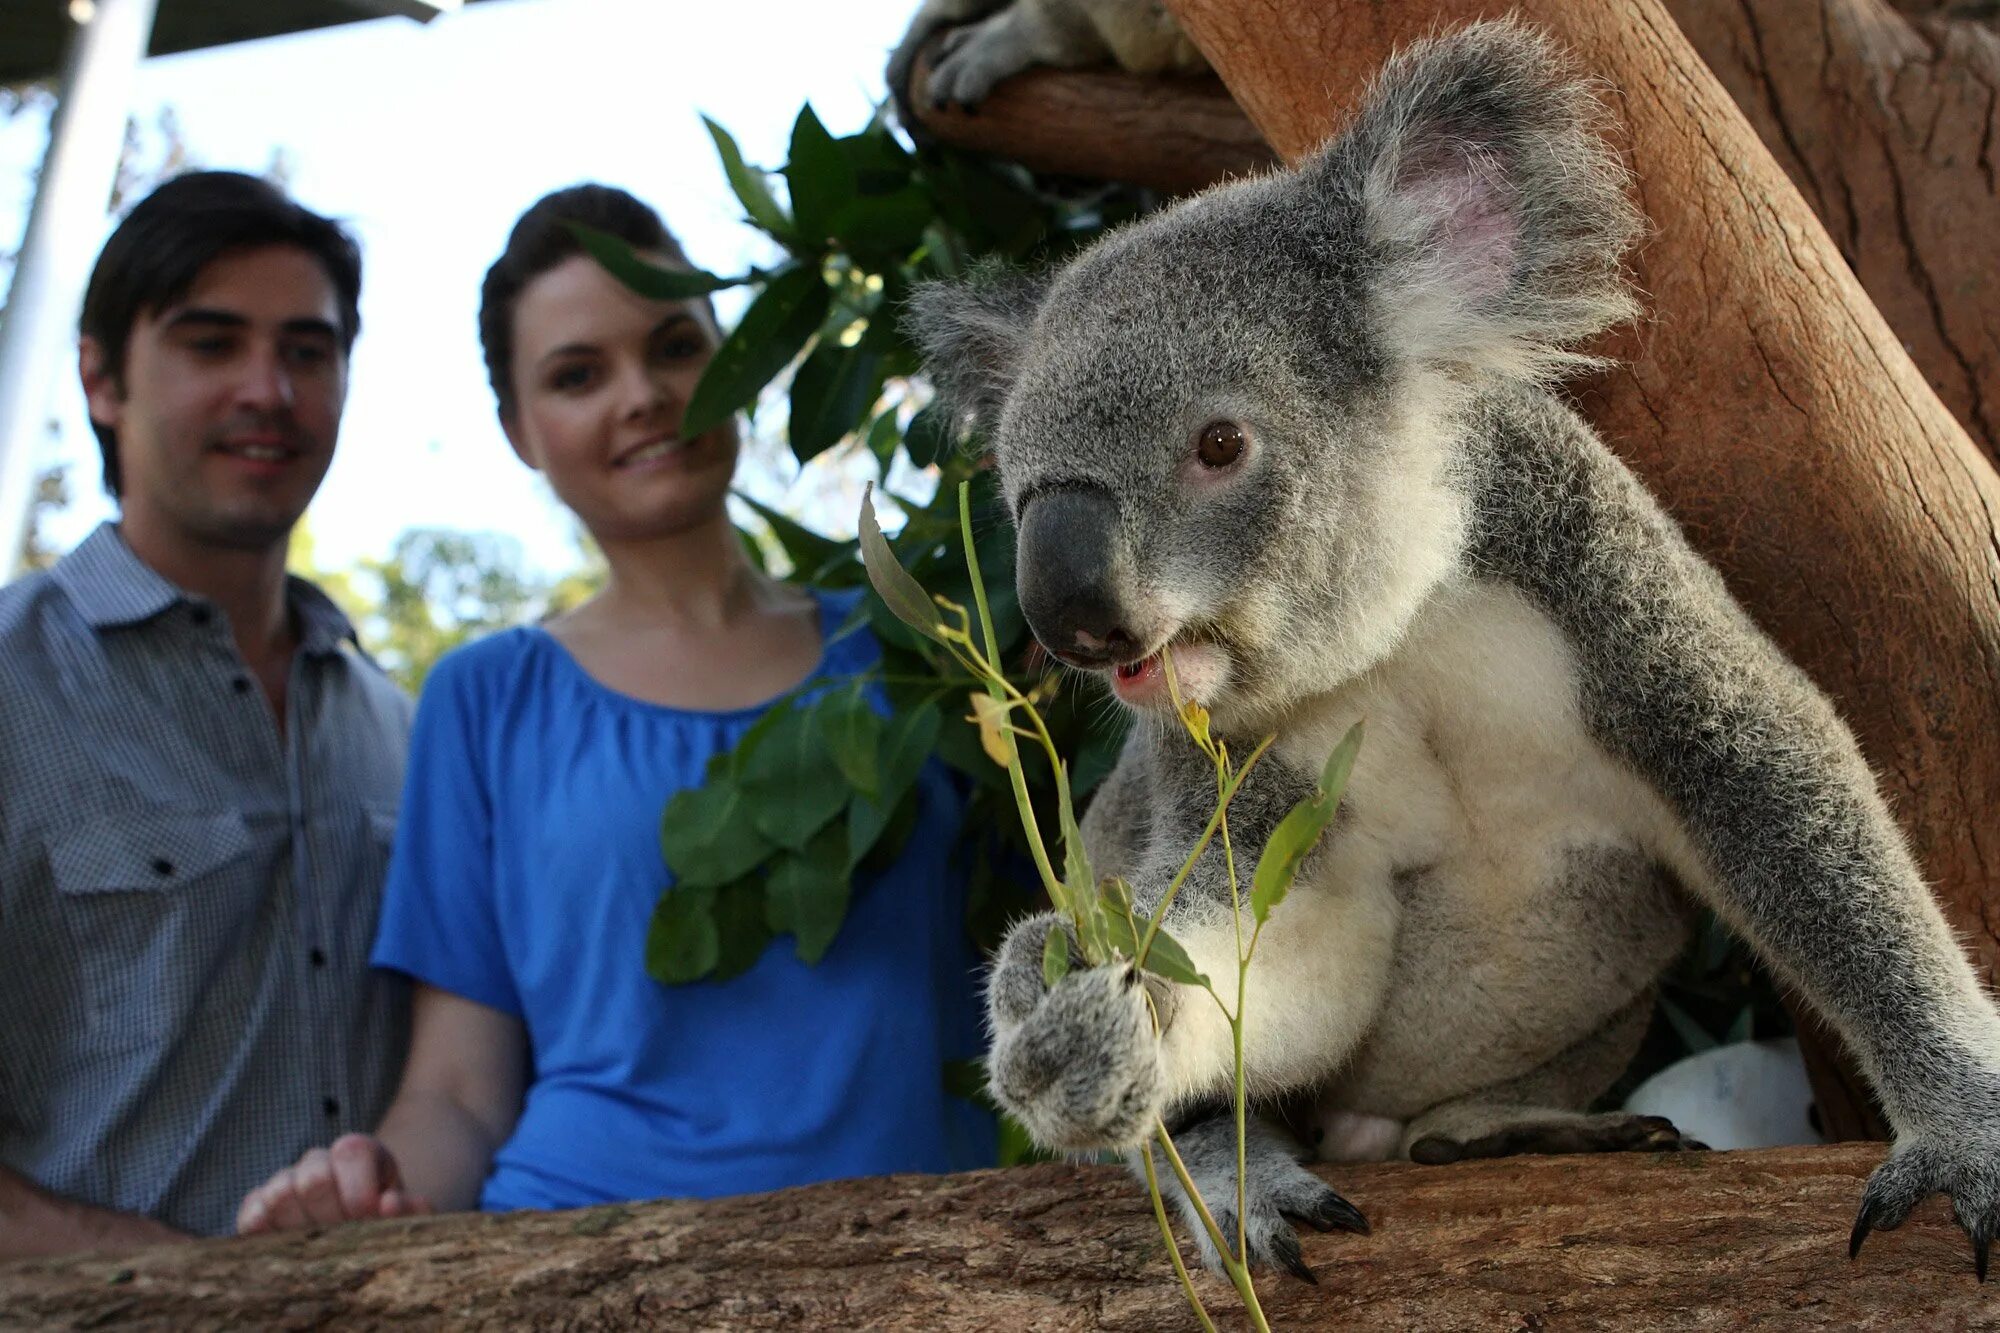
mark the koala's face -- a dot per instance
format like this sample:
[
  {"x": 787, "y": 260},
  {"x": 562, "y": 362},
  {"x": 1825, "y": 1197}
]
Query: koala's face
[
  {"x": 1229, "y": 433},
  {"x": 1202, "y": 472}
]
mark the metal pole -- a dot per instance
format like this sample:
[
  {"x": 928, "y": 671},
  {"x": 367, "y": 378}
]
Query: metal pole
[{"x": 38, "y": 328}]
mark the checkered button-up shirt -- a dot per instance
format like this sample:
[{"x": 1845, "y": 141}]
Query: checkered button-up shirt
[{"x": 187, "y": 896}]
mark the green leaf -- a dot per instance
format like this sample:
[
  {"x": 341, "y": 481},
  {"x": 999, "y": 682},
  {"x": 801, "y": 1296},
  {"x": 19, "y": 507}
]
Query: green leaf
[
  {"x": 1166, "y": 958},
  {"x": 644, "y": 277},
  {"x": 809, "y": 552},
  {"x": 742, "y": 934},
  {"x": 1299, "y": 831},
  {"x": 792, "y": 783},
  {"x": 778, "y": 323},
  {"x": 883, "y": 226},
  {"x": 1055, "y": 957},
  {"x": 831, "y": 394},
  {"x": 1119, "y": 931},
  {"x": 907, "y": 743},
  {"x": 808, "y": 892},
  {"x": 681, "y": 943},
  {"x": 820, "y": 176},
  {"x": 853, "y": 733},
  {"x": 893, "y": 584},
  {"x": 753, "y": 191},
  {"x": 709, "y": 835},
  {"x": 1078, "y": 877}
]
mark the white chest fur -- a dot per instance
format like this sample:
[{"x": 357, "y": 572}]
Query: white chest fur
[{"x": 1443, "y": 937}]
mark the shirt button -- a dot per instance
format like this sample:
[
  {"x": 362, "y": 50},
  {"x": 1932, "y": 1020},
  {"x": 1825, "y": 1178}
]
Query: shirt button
[
  {"x": 200, "y": 615},
  {"x": 330, "y": 1106},
  {"x": 162, "y": 866},
  {"x": 318, "y": 957},
  {"x": 241, "y": 684}
]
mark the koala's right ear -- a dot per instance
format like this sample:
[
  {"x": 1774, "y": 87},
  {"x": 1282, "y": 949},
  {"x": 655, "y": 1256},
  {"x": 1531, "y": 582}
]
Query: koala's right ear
[{"x": 971, "y": 332}]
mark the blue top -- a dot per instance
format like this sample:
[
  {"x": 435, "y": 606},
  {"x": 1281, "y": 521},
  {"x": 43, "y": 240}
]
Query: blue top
[{"x": 526, "y": 868}]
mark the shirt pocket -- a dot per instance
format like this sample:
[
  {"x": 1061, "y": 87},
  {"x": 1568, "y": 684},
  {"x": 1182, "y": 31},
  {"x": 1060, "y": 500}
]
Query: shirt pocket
[{"x": 158, "y": 905}]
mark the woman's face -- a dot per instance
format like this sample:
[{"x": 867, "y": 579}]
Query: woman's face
[{"x": 601, "y": 380}]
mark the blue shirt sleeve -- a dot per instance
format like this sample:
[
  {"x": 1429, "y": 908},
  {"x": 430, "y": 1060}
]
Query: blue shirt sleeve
[{"x": 439, "y": 921}]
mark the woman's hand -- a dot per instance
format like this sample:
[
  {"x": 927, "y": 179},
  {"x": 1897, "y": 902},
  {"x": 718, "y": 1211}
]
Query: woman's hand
[{"x": 354, "y": 1179}]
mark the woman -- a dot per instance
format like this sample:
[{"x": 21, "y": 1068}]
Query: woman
[{"x": 546, "y": 1068}]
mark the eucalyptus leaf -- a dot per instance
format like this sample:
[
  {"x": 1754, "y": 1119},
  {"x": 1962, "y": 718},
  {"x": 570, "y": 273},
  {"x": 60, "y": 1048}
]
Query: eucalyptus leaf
[
  {"x": 793, "y": 785},
  {"x": 831, "y": 394},
  {"x": 681, "y": 941},
  {"x": 1166, "y": 958},
  {"x": 1055, "y": 957},
  {"x": 853, "y": 733},
  {"x": 820, "y": 177},
  {"x": 883, "y": 437},
  {"x": 808, "y": 891},
  {"x": 753, "y": 191},
  {"x": 884, "y": 225},
  {"x": 1299, "y": 831},
  {"x": 893, "y": 583},
  {"x": 709, "y": 834},
  {"x": 906, "y": 744},
  {"x": 778, "y": 323},
  {"x": 742, "y": 934},
  {"x": 647, "y": 279}
]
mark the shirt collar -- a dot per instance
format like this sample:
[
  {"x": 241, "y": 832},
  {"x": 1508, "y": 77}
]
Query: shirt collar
[{"x": 112, "y": 587}]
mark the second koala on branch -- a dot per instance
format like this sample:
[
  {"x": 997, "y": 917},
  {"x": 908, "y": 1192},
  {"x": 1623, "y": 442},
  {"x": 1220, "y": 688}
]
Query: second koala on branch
[{"x": 1299, "y": 432}]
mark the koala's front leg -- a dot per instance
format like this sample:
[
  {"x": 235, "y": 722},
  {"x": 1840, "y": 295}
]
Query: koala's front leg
[
  {"x": 1078, "y": 1065},
  {"x": 1276, "y": 1187}
]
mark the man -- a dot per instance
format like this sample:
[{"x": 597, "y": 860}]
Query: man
[{"x": 198, "y": 769}]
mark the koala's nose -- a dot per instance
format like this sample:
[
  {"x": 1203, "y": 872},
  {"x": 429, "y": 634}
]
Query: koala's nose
[{"x": 1062, "y": 571}]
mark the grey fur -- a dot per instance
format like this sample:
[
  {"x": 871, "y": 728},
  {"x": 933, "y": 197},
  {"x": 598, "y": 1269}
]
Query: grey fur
[{"x": 1573, "y": 729}]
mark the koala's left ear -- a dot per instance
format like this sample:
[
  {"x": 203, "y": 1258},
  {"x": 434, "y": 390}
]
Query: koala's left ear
[
  {"x": 971, "y": 333},
  {"x": 1495, "y": 219}
]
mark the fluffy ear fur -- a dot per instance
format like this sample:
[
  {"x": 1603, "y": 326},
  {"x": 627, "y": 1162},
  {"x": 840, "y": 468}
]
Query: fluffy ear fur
[
  {"x": 971, "y": 332},
  {"x": 1495, "y": 217}
]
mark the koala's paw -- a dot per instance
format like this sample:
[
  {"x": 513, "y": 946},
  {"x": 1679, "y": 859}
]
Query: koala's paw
[
  {"x": 972, "y": 59},
  {"x": 1277, "y": 1190},
  {"x": 1079, "y": 1065},
  {"x": 1921, "y": 1166}
]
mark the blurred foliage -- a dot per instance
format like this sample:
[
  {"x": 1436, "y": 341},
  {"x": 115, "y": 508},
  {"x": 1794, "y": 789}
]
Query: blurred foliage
[{"x": 824, "y": 788}]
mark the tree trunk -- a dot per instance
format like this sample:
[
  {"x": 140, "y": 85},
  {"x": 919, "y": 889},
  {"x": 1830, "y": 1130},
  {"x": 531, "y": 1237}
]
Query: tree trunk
[
  {"x": 1660, "y": 1242},
  {"x": 1888, "y": 127}
]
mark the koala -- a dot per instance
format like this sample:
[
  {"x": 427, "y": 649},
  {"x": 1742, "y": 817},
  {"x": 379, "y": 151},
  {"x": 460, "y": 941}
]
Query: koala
[
  {"x": 1300, "y": 432},
  {"x": 1000, "y": 38}
]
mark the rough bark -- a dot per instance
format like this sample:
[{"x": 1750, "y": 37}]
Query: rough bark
[
  {"x": 1674, "y": 1241},
  {"x": 1891, "y": 130},
  {"x": 1173, "y": 134}
]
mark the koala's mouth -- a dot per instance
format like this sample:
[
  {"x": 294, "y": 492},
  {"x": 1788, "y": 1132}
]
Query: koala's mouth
[{"x": 1201, "y": 669}]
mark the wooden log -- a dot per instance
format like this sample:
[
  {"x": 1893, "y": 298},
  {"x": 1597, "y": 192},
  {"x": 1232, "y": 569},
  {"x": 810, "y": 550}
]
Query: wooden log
[
  {"x": 1660, "y": 1242},
  {"x": 1175, "y": 134}
]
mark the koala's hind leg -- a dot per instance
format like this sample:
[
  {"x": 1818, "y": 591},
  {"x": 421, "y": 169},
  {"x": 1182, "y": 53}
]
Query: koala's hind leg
[
  {"x": 1541, "y": 1111},
  {"x": 1276, "y": 1187}
]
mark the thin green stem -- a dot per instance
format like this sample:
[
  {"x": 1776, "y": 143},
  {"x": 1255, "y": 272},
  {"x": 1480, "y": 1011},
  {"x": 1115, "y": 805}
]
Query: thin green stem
[
  {"x": 1237, "y": 1267},
  {"x": 1236, "y": 1037},
  {"x": 1207, "y": 835},
  {"x": 1173, "y": 1246}
]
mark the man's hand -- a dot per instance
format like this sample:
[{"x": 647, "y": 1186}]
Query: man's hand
[{"x": 354, "y": 1179}]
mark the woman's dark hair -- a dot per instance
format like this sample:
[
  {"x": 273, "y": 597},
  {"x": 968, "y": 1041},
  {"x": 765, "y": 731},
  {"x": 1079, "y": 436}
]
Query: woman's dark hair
[
  {"x": 171, "y": 235},
  {"x": 540, "y": 241}
]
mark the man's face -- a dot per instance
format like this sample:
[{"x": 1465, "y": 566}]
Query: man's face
[{"x": 229, "y": 402}]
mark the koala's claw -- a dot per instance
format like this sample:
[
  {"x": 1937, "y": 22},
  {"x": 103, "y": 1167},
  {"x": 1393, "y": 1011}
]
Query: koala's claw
[
  {"x": 1285, "y": 1247},
  {"x": 1335, "y": 1214},
  {"x": 1913, "y": 1174}
]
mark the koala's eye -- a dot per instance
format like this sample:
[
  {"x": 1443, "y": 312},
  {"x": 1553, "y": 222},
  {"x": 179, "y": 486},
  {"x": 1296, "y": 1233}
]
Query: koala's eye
[{"x": 1220, "y": 444}]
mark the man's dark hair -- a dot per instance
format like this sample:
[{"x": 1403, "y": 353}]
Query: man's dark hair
[
  {"x": 171, "y": 235},
  {"x": 540, "y": 241}
]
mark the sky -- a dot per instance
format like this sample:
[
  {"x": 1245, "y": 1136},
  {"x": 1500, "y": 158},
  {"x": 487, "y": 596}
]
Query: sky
[{"x": 428, "y": 140}]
